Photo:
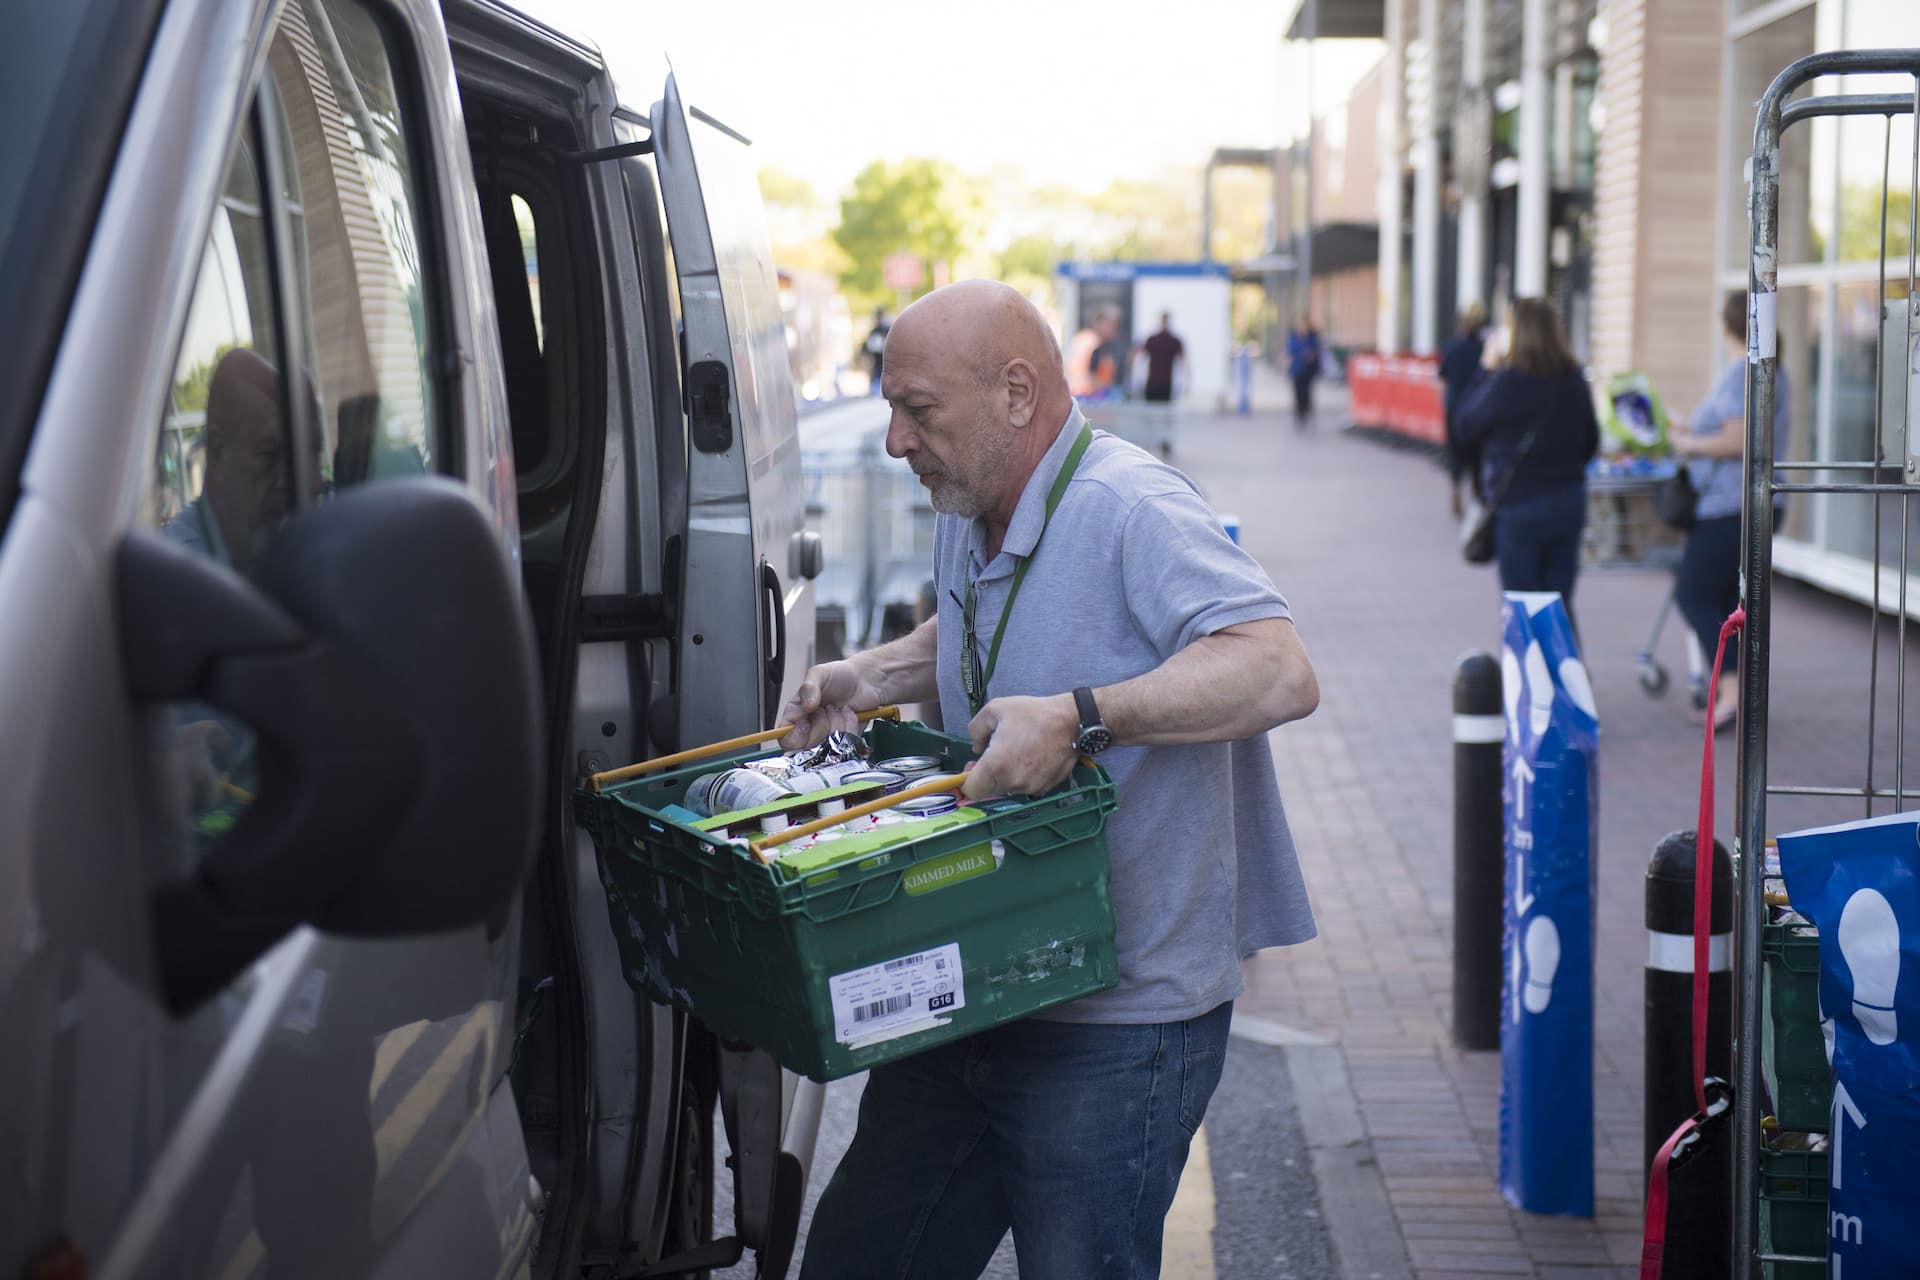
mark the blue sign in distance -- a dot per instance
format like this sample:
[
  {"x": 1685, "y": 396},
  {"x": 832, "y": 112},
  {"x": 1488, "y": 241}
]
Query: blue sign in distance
[
  {"x": 1546, "y": 1035},
  {"x": 1860, "y": 884}
]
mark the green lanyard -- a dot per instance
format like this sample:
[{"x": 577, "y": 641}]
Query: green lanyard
[{"x": 1054, "y": 495}]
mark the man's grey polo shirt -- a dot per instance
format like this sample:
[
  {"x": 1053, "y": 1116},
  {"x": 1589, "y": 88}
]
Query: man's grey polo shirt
[{"x": 1135, "y": 567}]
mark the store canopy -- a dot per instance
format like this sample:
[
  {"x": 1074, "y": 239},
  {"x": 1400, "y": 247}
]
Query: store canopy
[
  {"x": 1337, "y": 246},
  {"x": 1337, "y": 20}
]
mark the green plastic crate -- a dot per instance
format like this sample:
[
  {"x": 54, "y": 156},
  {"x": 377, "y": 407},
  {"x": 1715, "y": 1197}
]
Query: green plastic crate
[
  {"x": 1009, "y": 914},
  {"x": 1793, "y": 1052},
  {"x": 1793, "y": 1212}
]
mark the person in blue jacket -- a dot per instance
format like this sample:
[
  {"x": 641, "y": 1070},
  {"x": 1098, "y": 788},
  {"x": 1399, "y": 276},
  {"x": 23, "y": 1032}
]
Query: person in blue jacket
[
  {"x": 1303, "y": 366},
  {"x": 1530, "y": 415},
  {"x": 1459, "y": 366},
  {"x": 1707, "y": 582}
]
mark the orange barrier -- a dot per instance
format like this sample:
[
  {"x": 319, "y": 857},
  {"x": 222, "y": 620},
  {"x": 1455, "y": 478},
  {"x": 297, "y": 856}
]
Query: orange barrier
[{"x": 1397, "y": 393}]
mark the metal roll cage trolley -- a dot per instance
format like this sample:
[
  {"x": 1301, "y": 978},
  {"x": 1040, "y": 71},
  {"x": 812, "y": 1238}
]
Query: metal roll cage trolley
[{"x": 1776, "y": 115}]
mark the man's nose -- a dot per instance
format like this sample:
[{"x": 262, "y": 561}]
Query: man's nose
[{"x": 900, "y": 437}]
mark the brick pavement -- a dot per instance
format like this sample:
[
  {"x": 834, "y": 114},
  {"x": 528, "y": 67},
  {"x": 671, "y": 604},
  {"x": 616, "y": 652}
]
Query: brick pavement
[{"x": 1358, "y": 537}]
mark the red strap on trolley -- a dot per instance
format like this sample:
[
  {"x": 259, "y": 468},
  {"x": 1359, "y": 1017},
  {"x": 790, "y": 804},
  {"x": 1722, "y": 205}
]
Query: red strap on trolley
[
  {"x": 1703, "y": 868},
  {"x": 1653, "y": 1243},
  {"x": 1653, "y": 1240}
]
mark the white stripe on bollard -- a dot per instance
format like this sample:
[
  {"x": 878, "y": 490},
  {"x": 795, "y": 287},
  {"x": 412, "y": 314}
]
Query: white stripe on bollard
[
  {"x": 1479, "y": 728},
  {"x": 1673, "y": 952}
]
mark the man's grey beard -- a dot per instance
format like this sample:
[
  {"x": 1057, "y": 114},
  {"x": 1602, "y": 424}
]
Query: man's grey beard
[{"x": 950, "y": 497}]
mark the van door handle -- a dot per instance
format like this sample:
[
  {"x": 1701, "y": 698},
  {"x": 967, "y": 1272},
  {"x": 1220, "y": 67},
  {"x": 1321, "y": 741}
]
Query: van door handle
[{"x": 777, "y": 659}]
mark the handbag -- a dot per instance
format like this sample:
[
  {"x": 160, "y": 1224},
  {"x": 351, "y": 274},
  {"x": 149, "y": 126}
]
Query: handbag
[
  {"x": 1476, "y": 526},
  {"x": 1675, "y": 499}
]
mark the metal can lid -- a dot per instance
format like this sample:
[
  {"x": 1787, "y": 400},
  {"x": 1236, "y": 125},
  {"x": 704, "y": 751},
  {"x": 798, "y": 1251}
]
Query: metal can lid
[
  {"x": 885, "y": 777},
  {"x": 928, "y": 806},
  {"x": 910, "y": 764}
]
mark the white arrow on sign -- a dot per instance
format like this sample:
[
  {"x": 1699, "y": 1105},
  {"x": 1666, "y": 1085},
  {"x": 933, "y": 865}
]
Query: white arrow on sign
[
  {"x": 1522, "y": 775},
  {"x": 1842, "y": 1104}
]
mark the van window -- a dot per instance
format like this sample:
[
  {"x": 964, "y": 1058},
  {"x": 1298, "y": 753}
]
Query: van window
[
  {"x": 530, "y": 254},
  {"x": 68, "y": 72},
  {"x": 352, "y": 196},
  {"x": 359, "y": 346}
]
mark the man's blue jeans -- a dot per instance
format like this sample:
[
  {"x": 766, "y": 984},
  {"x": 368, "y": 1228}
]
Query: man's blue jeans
[{"x": 1073, "y": 1135}]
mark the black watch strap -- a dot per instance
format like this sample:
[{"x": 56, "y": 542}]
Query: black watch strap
[{"x": 1094, "y": 736}]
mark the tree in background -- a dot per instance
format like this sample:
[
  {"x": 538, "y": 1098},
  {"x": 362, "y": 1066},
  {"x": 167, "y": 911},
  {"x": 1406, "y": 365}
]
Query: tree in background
[
  {"x": 1028, "y": 262},
  {"x": 798, "y": 224},
  {"x": 922, "y": 207}
]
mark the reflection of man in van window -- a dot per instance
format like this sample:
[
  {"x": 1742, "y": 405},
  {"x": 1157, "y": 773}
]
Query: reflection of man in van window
[{"x": 247, "y": 491}]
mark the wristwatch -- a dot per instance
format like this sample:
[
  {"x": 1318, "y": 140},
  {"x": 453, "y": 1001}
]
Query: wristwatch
[{"x": 1094, "y": 737}]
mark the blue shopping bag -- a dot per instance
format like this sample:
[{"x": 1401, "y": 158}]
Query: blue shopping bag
[{"x": 1860, "y": 883}]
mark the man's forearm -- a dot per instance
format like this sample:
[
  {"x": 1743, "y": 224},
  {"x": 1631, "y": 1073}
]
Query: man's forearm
[
  {"x": 1230, "y": 685},
  {"x": 902, "y": 670}
]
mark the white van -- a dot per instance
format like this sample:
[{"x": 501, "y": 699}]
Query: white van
[{"x": 395, "y": 426}]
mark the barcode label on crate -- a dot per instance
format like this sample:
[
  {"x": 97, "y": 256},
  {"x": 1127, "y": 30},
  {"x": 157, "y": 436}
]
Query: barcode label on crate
[{"x": 895, "y": 993}]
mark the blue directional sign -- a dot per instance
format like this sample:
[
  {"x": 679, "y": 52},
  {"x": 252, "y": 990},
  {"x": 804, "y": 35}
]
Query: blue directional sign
[
  {"x": 1546, "y": 1036},
  {"x": 1860, "y": 884}
]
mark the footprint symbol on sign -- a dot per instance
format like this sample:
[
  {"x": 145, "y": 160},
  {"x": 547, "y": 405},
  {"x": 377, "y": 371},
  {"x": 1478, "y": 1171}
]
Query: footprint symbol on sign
[
  {"x": 1542, "y": 947},
  {"x": 1869, "y": 938}
]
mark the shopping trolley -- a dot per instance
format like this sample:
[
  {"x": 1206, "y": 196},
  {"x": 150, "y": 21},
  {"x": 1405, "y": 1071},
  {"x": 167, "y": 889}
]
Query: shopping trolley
[
  {"x": 1625, "y": 531},
  {"x": 1893, "y": 472}
]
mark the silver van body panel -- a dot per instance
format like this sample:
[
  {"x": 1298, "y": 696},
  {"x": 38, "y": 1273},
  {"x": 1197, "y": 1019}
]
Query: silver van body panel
[
  {"x": 174, "y": 1146},
  {"x": 342, "y": 1108},
  {"x": 746, "y": 503}
]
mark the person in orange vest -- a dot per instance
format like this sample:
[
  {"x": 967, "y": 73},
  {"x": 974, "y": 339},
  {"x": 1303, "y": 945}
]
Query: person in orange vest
[{"x": 1091, "y": 368}]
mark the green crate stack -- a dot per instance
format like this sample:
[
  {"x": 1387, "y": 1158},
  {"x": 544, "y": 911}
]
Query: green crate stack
[
  {"x": 753, "y": 953},
  {"x": 1793, "y": 1212},
  {"x": 1793, "y": 1056},
  {"x": 1793, "y": 1052}
]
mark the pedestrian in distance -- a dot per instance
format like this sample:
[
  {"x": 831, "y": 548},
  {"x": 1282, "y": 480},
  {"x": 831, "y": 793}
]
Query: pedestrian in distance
[
  {"x": 1143, "y": 629},
  {"x": 1166, "y": 361},
  {"x": 875, "y": 347},
  {"x": 1459, "y": 366},
  {"x": 1707, "y": 581},
  {"x": 1303, "y": 367},
  {"x": 1530, "y": 415},
  {"x": 1091, "y": 368}
]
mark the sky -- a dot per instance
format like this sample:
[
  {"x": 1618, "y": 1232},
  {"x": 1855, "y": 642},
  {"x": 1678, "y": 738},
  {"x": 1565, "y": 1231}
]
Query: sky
[{"x": 1064, "y": 91}]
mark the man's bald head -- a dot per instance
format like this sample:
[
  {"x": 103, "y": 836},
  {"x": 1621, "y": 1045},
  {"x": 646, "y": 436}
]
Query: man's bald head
[
  {"x": 978, "y": 392},
  {"x": 986, "y": 325}
]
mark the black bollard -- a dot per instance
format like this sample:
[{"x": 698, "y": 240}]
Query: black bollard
[
  {"x": 1479, "y": 851},
  {"x": 1699, "y": 1192}
]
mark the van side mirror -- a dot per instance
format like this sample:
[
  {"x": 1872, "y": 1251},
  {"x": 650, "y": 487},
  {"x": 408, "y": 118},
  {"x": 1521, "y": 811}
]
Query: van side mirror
[{"x": 386, "y": 668}]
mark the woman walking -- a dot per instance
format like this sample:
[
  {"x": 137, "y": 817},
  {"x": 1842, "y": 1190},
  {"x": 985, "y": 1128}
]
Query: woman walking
[{"x": 1530, "y": 414}]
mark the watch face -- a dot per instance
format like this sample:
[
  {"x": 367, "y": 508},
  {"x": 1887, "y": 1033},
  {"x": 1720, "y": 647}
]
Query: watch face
[{"x": 1094, "y": 740}]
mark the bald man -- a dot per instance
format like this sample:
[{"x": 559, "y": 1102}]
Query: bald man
[
  {"x": 1122, "y": 617},
  {"x": 247, "y": 491}
]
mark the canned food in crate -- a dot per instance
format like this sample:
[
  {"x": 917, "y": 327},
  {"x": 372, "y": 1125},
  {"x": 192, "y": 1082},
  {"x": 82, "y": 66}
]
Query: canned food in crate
[
  {"x": 732, "y": 790},
  {"x": 886, "y": 778},
  {"x": 825, "y": 777},
  {"x": 910, "y": 767},
  {"x": 856, "y": 794},
  {"x": 928, "y": 806}
]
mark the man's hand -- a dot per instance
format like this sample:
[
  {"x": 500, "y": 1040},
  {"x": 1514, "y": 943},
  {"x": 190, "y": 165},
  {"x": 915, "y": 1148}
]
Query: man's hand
[
  {"x": 827, "y": 701},
  {"x": 1027, "y": 746}
]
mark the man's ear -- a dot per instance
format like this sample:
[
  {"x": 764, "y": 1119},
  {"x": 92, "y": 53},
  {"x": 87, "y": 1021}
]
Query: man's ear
[{"x": 1023, "y": 392}]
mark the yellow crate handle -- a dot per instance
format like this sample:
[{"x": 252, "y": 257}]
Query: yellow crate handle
[
  {"x": 611, "y": 776},
  {"x": 778, "y": 838}
]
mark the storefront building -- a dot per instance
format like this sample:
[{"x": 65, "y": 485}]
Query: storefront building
[{"x": 1595, "y": 151}]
